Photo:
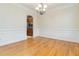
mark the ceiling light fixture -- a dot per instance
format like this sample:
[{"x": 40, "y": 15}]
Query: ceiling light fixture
[{"x": 41, "y": 8}]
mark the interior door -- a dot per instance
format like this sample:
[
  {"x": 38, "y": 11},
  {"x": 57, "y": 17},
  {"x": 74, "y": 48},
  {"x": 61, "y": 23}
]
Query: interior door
[{"x": 29, "y": 25}]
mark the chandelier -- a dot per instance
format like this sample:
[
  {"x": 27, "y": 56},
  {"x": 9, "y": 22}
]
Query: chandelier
[{"x": 41, "y": 8}]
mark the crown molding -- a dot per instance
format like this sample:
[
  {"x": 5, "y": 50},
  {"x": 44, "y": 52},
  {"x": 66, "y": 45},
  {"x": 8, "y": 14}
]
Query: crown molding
[
  {"x": 63, "y": 7},
  {"x": 21, "y": 6},
  {"x": 58, "y": 7}
]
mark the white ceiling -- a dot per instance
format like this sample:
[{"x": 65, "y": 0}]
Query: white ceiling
[
  {"x": 50, "y": 5},
  {"x": 33, "y": 5}
]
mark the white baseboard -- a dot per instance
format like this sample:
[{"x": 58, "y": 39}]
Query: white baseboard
[{"x": 60, "y": 38}]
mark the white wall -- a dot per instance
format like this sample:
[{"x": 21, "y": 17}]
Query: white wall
[
  {"x": 62, "y": 23},
  {"x": 13, "y": 23}
]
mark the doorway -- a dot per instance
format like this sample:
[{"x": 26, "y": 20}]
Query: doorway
[{"x": 29, "y": 26}]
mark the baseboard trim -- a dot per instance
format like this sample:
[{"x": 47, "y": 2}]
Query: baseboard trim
[{"x": 57, "y": 38}]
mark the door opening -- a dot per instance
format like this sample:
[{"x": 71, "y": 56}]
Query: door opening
[{"x": 29, "y": 26}]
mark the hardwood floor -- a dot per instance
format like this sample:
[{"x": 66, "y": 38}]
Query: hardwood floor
[{"x": 40, "y": 46}]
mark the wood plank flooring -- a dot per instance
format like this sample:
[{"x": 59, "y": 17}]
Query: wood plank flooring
[{"x": 40, "y": 46}]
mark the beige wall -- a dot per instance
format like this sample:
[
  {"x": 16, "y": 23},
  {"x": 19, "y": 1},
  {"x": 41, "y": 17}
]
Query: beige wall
[
  {"x": 13, "y": 23},
  {"x": 62, "y": 23}
]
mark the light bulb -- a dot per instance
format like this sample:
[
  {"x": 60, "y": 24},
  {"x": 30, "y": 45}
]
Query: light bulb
[
  {"x": 45, "y": 6},
  {"x": 44, "y": 9},
  {"x": 39, "y": 5},
  {"x": 37, "y": 8}
]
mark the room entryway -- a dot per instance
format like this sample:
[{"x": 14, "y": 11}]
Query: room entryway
[{"x": 29, "y": 26}]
